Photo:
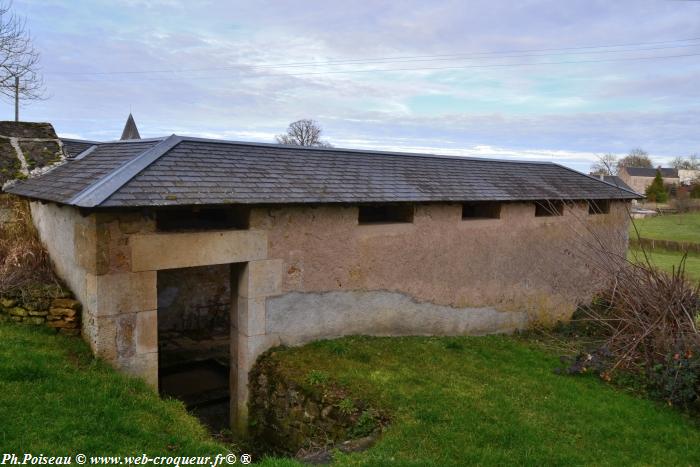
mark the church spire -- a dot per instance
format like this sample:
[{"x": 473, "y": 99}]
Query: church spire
[{"x": 130, "y": 130}]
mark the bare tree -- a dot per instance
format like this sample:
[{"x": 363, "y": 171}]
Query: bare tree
[
  {"x": 303, "y": 133},
  {"x": 605, "y": 165},
  {"x": 691, "y": 163},
  {"x": 636, "y": 158},
  {"x": 19, "y": 60}
]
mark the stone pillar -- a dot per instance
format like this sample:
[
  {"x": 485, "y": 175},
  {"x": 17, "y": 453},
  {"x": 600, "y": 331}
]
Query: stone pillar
[
  {"x": 255, "y": 281},
  {"x": 123, "y": 325}
]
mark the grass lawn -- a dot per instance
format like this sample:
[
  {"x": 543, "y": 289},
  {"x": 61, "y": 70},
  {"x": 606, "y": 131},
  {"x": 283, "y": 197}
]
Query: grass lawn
[
  {"x": 453, "y": 401},
  {"x": 678, "y": 227},
  {"x": 667, "y": 260},
  {"x": 56, "y": 399},
  {"x": 494, "y": 401}
]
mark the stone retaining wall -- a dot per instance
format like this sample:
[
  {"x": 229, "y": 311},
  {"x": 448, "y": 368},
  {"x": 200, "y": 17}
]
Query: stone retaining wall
[
  {"x": 300, "y": 415},
  {"x": 48, "y": 306}
]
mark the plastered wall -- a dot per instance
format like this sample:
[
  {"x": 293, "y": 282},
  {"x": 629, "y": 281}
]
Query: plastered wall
[{"x": 306, "y": 272}]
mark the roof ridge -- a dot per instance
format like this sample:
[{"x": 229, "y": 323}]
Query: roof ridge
[
  {"x": 78, "y": 140},
  {"x": 363, "y": 151},
  {"x": 99, "y": 191}
]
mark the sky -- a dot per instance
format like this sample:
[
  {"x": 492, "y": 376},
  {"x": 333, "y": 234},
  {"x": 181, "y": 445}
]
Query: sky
[{"x": 561, "y": 81}]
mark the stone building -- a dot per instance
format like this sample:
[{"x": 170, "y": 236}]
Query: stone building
[
  {"x": 639, "y": 178},
  {"x": 196, "y": 252}
]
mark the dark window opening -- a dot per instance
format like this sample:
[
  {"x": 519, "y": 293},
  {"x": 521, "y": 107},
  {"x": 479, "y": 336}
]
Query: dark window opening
[
  {"x": 195, "y": 306},
  {"x": 549, "y": 208},
  {"x": 386, "y": 214},
  {"x": 231, "y": 217},
  {"x": 599, "y": 206},
  {"x": 481, "y": 211}
]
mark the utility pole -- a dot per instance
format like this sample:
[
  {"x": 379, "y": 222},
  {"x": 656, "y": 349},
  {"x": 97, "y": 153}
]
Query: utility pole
[{"x": 16, "y": 98}]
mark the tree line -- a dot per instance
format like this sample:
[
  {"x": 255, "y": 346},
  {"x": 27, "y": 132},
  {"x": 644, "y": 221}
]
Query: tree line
[{"x": 610, "y": 164}]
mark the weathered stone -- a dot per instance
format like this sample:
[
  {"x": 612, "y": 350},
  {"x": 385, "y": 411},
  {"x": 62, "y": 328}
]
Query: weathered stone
[
  {"x": 115, "y": 294},
  {"x": 38, "y": 313},
  {"x": 65, "y": 303},
  {"x": 195, "y": 249},
  {"x": 53, "y": 318},
  {"x": 16, "y": 318},
  {"x": 326, "y": 412},
  {"x": 7, "y": 302},
  {"x": 311, "y": 410},
  {"x": 34, "y": 320},
  {"x": 62, "y": 312},
  {"x": 18, "y": 311}
]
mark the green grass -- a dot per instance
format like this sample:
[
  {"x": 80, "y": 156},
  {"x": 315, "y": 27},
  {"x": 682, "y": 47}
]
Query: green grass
[
  {"x": 453, "y": 401},
  {"x": 56, "y": 399},
  {"x": 677, "y": 227},
  {"x": 668, "y": 260},
  {"x": 494, "y": 401}
]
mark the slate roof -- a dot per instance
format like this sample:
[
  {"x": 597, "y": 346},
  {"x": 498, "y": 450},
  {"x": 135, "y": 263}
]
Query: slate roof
[
  {"x": 194, "y": 171},
  {"x": 617, "y": 181},
  {"x": 651, "y": 172},
  {"x": 73, "y": 147}
]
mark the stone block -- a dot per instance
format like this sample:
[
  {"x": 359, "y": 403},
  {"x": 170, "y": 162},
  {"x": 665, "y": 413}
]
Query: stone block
[
  {"x": 261, "y": 278},
  {"x": 34, "y": 320},
  {"x": 151, "y": 252},
  {"x": 147, "y": 332},
  {"x": 144, "y": 366},
  {"x": 127, "y": 292},
  {"x": 18, "y": 311},
  {"x": 38, "y": 313},
  {"x": 68, "y": 303},
  {"x": 251, "y": 316},
  {"x": 7, "y": 302},
  {"x": 62, "y": 312}
]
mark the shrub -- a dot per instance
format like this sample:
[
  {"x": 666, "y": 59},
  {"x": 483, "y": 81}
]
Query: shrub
[
  {"x": 677, "y": 379},
  {"x": 695, "y": 190},
  {"x": 646, "y": 321},
  {"x": 366, "y": 424}
]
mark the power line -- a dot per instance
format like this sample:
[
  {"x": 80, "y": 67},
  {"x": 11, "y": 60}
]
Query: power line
[
  {"x": 400, "y": 59},
  {"x": 380, "y": 70}
]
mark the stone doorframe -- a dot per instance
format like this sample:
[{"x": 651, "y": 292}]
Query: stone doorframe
[{"x": 257, "y": 277}]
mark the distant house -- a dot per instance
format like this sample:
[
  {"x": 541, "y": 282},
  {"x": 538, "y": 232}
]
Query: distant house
[
  {"x": 688, "y": 177},
  {"x": 639, "y": 178}
]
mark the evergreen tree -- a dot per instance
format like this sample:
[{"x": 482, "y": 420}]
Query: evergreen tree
[{"x": 656, "y": 192}]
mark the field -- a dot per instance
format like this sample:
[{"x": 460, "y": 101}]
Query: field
[{"x": 676, "y": 227}]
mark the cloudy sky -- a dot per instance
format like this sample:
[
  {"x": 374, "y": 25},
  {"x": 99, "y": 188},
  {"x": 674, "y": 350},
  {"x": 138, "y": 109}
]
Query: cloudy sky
[{"x": 549, "y": 80}]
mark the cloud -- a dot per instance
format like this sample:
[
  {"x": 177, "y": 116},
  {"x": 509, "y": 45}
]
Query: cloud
[{"x": 233, "y": 86}]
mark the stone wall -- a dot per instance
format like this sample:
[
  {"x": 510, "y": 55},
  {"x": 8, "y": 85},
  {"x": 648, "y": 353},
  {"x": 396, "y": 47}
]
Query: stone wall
[
  {"x": 51, "y": 306},
  {"x": 27, "y": 148},
  {"x": 293, "y": 415}
]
